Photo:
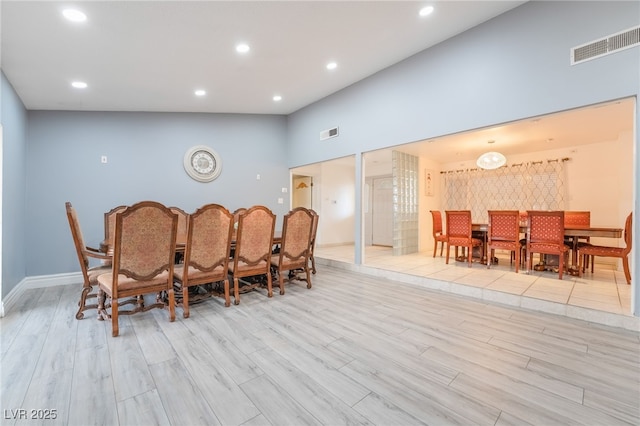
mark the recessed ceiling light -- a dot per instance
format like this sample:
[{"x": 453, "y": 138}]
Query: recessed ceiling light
[
  {"x": 200, "y": 92},
  {"x": 79, "y": 84},
  {"x": 277, "y": 98},
  {"x": 242, "y": 48},
  {"x": 74, "y": 15},
  {"x": 426, "y": 11},
  {"x": 332, "y": 66}
]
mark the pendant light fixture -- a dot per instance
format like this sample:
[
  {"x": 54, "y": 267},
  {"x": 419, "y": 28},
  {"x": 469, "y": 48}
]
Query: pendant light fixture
[{"x": 491, "y": 160}]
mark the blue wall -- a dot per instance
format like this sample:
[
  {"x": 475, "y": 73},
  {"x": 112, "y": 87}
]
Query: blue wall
[
  {"x": 512, "y": 67},
  {"x": 13, "y": 117},
  {"x": 145, "y": 154}
]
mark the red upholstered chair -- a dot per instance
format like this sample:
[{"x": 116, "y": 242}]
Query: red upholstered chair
[
  {"x": 459, "y": 232},
  {"x": 545, "y": 235},
  {"x": 577, "y": 219},
  {"x": 605, "y": 251},
  {"x": 295, "y": 249},
  {"x": 143, "y": 260},
  {"x": 504, "y": 233},
  {"x": 438, "y": 234},
  {"x": 206, "y": 256}
]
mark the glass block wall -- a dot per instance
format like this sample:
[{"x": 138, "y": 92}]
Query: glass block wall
[{"x": 405, "y": 203}]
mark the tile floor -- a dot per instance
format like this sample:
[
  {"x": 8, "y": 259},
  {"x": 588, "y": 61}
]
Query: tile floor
[{"x": 604, "y": 291}]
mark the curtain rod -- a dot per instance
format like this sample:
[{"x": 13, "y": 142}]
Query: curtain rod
[{"x": 512, "y": 165}]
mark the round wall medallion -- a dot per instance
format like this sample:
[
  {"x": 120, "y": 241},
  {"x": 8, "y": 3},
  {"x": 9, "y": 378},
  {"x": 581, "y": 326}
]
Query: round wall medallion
[{"x": 202, "y": 163}]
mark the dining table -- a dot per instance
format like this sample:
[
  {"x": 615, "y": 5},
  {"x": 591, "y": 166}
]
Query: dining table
[
  {"x": 106, "y": 246},
  {"x": 573, "y": 231}
]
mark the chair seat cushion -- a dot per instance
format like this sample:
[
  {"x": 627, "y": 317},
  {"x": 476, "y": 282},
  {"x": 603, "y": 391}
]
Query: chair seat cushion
[
  {"x": 548, "y": 248},
  {"x": 506, "y": 245},
  {"x": 441, "y": 238},
  {"x": 458, "y": 241},
  {"x": 96, "y": 271},
  {"x": 125, "y": 283},
  {"x": 602, "y": 251}
]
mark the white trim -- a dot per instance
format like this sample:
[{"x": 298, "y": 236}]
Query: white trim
[{"x": 41, "y": 281}]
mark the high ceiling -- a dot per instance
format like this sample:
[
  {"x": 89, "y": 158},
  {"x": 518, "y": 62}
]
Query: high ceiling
[{"x": 153, "y": 55}]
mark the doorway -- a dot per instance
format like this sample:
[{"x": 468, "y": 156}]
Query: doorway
[
  {"x": 379, "y": 215},
  {"x": 302, "y": 195}
]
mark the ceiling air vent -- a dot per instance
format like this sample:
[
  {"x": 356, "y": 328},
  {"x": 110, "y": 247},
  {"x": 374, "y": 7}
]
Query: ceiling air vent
[
  {"x": 329, "y": 133},
  {"x": 606, "y": 45}
]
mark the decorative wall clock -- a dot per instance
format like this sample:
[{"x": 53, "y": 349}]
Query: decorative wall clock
[{"x": 202, "y": 163}]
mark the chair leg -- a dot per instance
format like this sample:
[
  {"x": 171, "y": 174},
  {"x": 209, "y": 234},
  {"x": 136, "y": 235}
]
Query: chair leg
[
  {"x": 308, "y": 278},
  {"x": 227, "y": 299},
  {"x": 627, "y": 272},
  {"x": 83, "y": 300},
  {"x": 441, "y": 247},
  {"x": 435, "y": 248},
  {"x": 313, "y": 264},
  {"x": 448, "y": 252},
  {"x": 172, "y": 304},
  {"x": 516, "y": 255},
  {"x": 281, "y": 279},
  {"x": 185, "y": 301},
  {"x": 114, "y": 317},
  {"x": 560, "y": 266},
  {"x": 236, "y": 291},
  {"x": 469, "y": 255},
  {"x": 102, "y": 312},
  {"x": 270, "y": 285},
  {"x": 581, "y": 264}
]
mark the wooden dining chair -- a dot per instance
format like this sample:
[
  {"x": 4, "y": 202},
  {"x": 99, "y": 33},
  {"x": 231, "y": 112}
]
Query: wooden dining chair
[
  {"x": 314, "y": 232},
  {"x": 252, "y": 255},
  {"x": 84, "y": 252},
  {"x": 181, "y": 232},
  {"x": 437, "y": 232},
  {"x": 110, "y": 224},
  {"x": 459, "y": 233},
  {"x": 295, "y": 249},
  {"x": 143, "y": 260},
  {"x": 503, "y": 233},
  {"x": 605, "y": 251},
  {"x": 183, "y": 219},
  {"x": 206, "y": 255},
  {"x": 545, "y": 235}
]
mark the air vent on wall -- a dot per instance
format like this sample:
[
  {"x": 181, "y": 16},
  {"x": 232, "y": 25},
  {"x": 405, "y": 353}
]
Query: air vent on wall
[
  {"x": 606, "y": 45},
  {"x": 329, "y": 133}
]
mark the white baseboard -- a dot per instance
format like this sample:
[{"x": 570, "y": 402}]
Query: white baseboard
[{"x": 41, "y": 281}]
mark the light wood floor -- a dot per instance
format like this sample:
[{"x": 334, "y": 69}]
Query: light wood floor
[{"x": 354, "y": 349}]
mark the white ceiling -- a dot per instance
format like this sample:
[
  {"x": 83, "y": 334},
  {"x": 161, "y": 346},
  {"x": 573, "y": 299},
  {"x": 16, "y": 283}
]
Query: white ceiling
[
  {"x": 569, "y": 129},
  {"x": 152, "y": 55}
]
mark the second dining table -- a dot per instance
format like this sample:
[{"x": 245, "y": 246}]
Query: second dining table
[{"x": 573, "y": 231}]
